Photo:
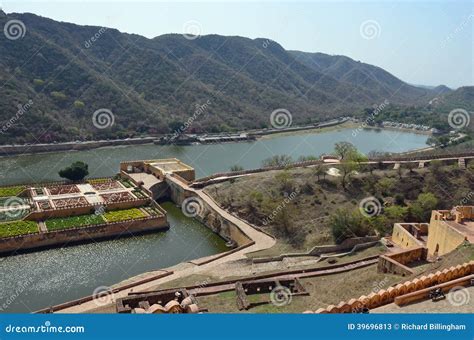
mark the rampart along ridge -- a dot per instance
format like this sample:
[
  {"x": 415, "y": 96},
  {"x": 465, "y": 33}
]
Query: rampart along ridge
[{"x": 389, "y": 295}]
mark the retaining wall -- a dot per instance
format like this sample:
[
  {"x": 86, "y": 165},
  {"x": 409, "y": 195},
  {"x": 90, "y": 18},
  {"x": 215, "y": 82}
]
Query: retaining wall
[
  {"x": 202, "y": 182},
  {"x": 383, "y": 297},
  {"x": 351, "y": 245},
  {"x": 83, "y": 234},
  {"x": 206, "y": 214},
  {"x": 396, "y": 263},
  {"x": 84, "y": 209}
]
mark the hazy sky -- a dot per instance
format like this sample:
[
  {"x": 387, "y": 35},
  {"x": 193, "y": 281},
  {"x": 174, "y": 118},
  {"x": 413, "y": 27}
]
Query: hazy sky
[{"x": 421, "y": 42}]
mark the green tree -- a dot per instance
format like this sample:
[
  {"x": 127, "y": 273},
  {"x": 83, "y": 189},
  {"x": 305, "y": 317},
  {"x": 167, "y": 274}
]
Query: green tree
[
  {"x": 75, "y": 172},
  {"x": 346, "y": 224},
  {"x": 422, "y": 207},
  {"x": 236, "y": 168},
  {"x": 319, "y": 171},
  {"x": 307, "y": 158},
  {"x": 411, "y": 167},
  {"x": 79, "y": 104},
  {"x": 277, "y": 160},
  {"x": 286, "y": 182},
  {"x": 385, "y": 186},
  {"x": 352, "y": 161},
  {"x": 344, "y": 149}
]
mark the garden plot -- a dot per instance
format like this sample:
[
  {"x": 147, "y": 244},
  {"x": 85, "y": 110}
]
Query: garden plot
[
  {"x": 70, "y": 202},
  {"x": 112, "y": 185},
  {"x": 54, "y": 224},
  {"x": 15, "y": 228},
  {"x": 63, "y": 189},
  {"x": 117, "y": 197},
  {"x": 11, "y": 191}
]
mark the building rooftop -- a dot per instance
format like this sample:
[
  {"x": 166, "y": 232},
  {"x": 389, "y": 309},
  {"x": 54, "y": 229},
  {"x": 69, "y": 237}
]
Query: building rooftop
[
  {"x": 170, "y": 166},
  {"x": 466, "y": 228}
]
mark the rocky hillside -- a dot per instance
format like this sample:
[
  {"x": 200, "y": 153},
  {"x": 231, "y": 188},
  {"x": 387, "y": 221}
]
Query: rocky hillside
[{"x": 61, "y": 73}]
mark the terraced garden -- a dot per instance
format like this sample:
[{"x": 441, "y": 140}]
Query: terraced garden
[
  {"x": 126, "y": 183},
  {"x": 16, "y": 228},
  {"x": 123, "y": 215},
  {"x": 93, "y": 219},
  {"x": 73, "y": 222},
  {"x": 11, "y": 191}
]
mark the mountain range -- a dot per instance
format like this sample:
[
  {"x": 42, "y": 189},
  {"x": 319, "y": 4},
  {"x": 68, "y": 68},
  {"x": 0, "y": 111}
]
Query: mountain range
[{"x": 66, "y": 72}]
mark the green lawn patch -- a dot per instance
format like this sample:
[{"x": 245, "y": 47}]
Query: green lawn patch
[
  {"x": 126, "y": 183},
  {"x": 73, "y": 222},
  {"x": 11, "y": 191},
  {"x": 123, "y": 215},
  {"x": 16, "y": 228}
]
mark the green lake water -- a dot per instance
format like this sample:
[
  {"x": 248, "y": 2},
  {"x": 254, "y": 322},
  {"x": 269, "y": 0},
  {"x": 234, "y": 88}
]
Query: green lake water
[{"x": 36, "y": 280}]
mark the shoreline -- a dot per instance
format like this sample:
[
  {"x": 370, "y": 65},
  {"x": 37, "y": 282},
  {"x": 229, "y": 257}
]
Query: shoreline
[{"x": 34, "y": 149}]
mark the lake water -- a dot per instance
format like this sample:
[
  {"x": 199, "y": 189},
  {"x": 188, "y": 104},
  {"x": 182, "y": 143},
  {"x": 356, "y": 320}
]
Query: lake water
[{"x": 32, "y": 281}]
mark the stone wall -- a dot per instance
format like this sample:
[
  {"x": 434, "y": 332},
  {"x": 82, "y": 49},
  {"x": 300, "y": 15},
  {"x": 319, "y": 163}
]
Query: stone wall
[
  {"x": 206, "y": 214},
  {"x": 83, "y": 234},
  {"x": 84, "y": 209},
  {"x": 208, "y": 180},
  {"x": 383, "y": 297},
  {"x": 442, "y": 239},
  {"x": 350, "y": 245},
  {"x": 396, "y": 263},
  {"x": 223, "y": 227},
  {"x": 402, "y": 237}
]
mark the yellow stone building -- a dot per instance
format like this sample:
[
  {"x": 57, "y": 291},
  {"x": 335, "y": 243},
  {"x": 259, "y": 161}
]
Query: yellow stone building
[{"x": 447, "y": 230}]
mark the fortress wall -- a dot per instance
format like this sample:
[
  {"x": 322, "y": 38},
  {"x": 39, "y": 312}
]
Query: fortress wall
[
  {"x": 442, "y": 238},
  {"x": 402, "y": 237},
  {"x": 396, "y": 263},
  {"x": 222, "y": 226},
  {"x": 206, "y": 214},
  {"x": 391, "y": 294},
  {"x": 83, "y": 234},
  {"x": 388, "y": 265}
]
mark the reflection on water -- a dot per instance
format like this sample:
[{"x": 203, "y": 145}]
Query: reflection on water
[
  {"x": 50, "y": 277},
  {"x": 206, "y": 159},
  {"x": 53, "y": 276}
]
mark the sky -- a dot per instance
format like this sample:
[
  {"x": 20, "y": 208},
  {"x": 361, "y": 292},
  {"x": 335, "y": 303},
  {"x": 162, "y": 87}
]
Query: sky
[{"x": 420, "y": 42}]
